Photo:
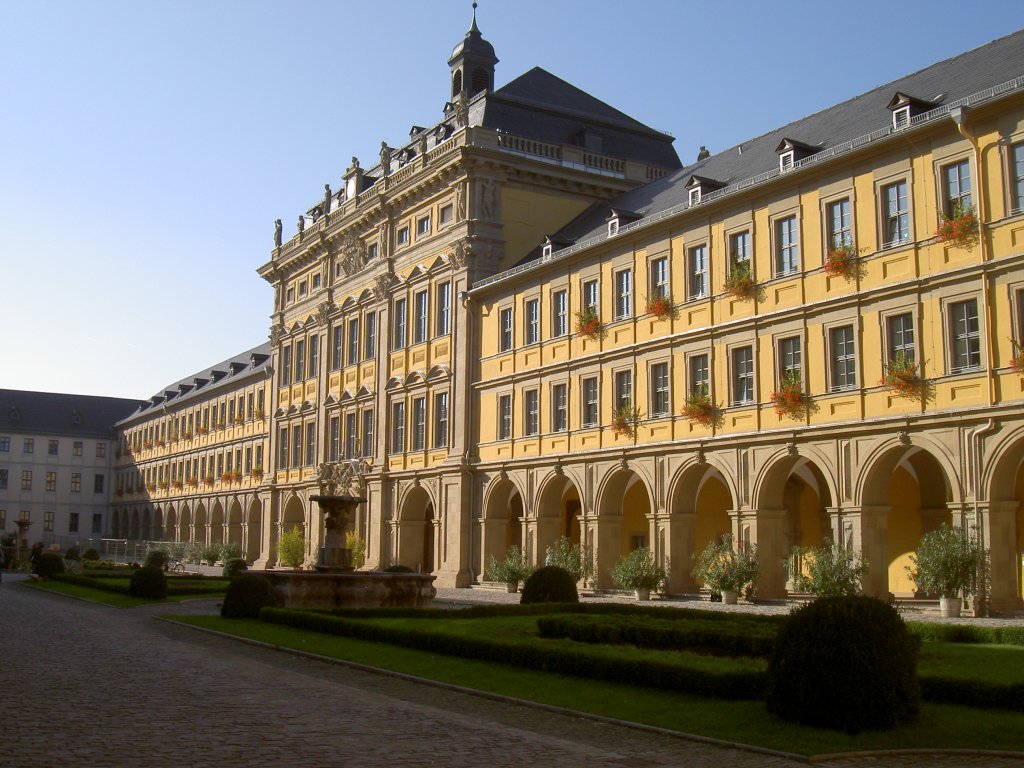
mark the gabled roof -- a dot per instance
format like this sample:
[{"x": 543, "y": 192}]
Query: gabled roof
[{"x": 50, "y": 413}]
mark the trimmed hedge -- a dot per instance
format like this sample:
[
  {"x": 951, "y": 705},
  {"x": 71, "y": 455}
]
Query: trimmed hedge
[
  {"x": 49, "y": 564},
  {"x": 173, "y": 590},
  {"x": 246, "y": 595},
  {"x": 718, "y": 638},
  {"x": 149, "y": 583},
  {"x": 651, "y": 674},
  {"x": 550, "y": 584},
  {"x": 973, "y": 693},
  {"x": 967, "y": 633}
]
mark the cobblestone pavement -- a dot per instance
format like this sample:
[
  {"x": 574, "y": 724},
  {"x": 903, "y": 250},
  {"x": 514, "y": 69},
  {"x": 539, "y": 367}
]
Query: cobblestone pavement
[{"x": 84, "y": 684}]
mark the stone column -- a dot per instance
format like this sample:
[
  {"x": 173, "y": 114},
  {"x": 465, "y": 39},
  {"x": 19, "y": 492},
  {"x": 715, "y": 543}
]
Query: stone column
[
  {"x": 867, "y": 529},
  {"x": 682, "y": 539},
  {"x": 492, "y": 542},
  {"x": 371, "y": 519},
  {"x": 999, "y": 536},
  {"x": 767, "y": 529},
  {"x": 547, "y": 532},
  {"x": 608, "y": 539}
]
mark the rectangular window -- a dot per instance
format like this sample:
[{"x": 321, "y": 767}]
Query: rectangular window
[
  {"x": 351, "y": 436},
  {"x": 48, "y": 522},
  {"x": 423, "y": 226},
  {"x": 559, "y": 408},
  {"x": 742, "y": 375},
  {"x": 698, "y": 379},
  {"x": 353, "y": 341},
  {"x": 51, "y": 481},
  {"x": 504, "y": 417},
  {"x": 660, "y": 405},
  {"x": 697, "y": 271},
  {"x": 956, "y": 188},
  {"x": 398, "y": 329},
  {"x": 315, "y": 282},
  {"x": 300, "y": 368},
  {"x": 53, "y": 447},
  {"x": 591, "y": 295},
  {"x": 419, "y": 423},
  {"x": 283, "y": 445},
  {"x": 531, "y": 412},
  {"x": 624, "y": 389},
  {"x": 73, "y": 522},
  {"x": 532, "y": 318},
  {"x": 403, "y": 236},
  {"x": 843, "y": 358},
  {"x": 659, "y": 287},
  {"x": 368, "y": 433},
  {"x": 840, "y": 233},
  {"x": 314, "y": 365},
  {"x": 966, "y": 336},
  {"x": 787, "y": 246},
  {"x": 441, "y": 420},
  {"x": 5, "y": 444},
  {"x": 97, "y": 522},
  {"x": 286, "y": 365},
  {"x": 507, "y": 332},
  {"x": 397, "y": 427},
  {"x": 445, "y": 214},
  {"x": 335, "y": 453},
  {"x": 623, "y": 294},
  {"x": 231, "y": 410},
  {"x": 302, "y": 288},
  {"x": 896, "y": 214},
  {"x": 29, "y": 446},
  {"x": 371, "y": 251},
  {"x": 97, "y": 483},
  {"x": 590, "y": 414},
  {"x": 338, "y": 349},
  {"x": 1017, "y": 178},
  {"x": 370, "y": 336},
  {"x": 101, "y": 448},
  {"x": 420, "y": 330},
  {"x": 739, "y": 251},
  {"x": 296, "y": 447},
  {"x": 444, "y": 309},
  {"x": 76, "y": 482},
  {"x": 310, "y": 444},
  {"x": 559, "y": 313},
  {"x": 26, "y": 480},
  {"x": 3, "y": 482},
  {"x": 790, "y": 358}
]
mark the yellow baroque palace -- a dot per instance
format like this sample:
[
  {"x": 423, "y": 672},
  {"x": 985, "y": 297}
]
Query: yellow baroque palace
[{"x": 532, "y": 321}]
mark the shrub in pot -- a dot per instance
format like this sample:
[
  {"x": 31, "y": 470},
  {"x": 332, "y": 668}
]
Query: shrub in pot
[
  {"x": 550, "y": 584},
  {"x": 639, "y": 571},
  {"x": 827, "y": 571},
  {"x": 512, "y": 570},
  {"x": 948, "y": 561},
  {"x": 727, "y": 570},
  {"x": 571, "y": 557}
]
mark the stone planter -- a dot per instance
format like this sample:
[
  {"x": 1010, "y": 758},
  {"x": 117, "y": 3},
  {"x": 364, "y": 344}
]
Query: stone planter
[
  {"x": 729, "y": 597},
  {"x": 512, "y": 587},
  {"x": 949, "y": 607},
  {"x": 643, "y": 594}
]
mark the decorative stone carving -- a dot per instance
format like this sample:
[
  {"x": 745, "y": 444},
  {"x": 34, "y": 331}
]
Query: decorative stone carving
[
  {"x": 277, "y": 233},
  {"x": 702, "y": 459},
  {"x": 277, "y": 333},
  {"x": 341, "y": 477},
  {"x": 421, "y": 144},
  {"x": 327, "y": 199},
  {"x": 791, "y": 448},
  {"x": 385, "y": 158},
  {"x": 382, "y": 286},
  {"x": 460, "y": 202},
  {"x": 488, "y": 200},
  {"x": 301, "y": 225},
  {"x": 461, "y": 111},
  {"x": 353, "y": 254},
  {"x": 903, "y": 436},
  {"x": 623, "y": 464},
  {"x": 324, "y": 310},
  {"x": 460, "y": 254}
]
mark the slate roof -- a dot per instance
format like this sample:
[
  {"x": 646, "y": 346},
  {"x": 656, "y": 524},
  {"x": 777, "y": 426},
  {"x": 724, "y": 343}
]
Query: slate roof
[
  {"x": 51, "y": 413},
  {"x": 201, "y": 384},
  {"x": 964, "y": 75}
]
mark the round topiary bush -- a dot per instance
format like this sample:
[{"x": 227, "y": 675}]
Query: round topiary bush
[
  {"x": 247, "y": 594},
  {"x": 399, "y": 569},
  {"x": 234, "y": 566},
  {"x": 71, "y": 554},
  {"x": 90, "y": 554},
  {"x": 847, "y": 663},
  {"x": 156, "y": 559},
  {"x": 49, "y": 563},
  {"x": 550, "y": 584},
  {"x": 149, "y": 583}
]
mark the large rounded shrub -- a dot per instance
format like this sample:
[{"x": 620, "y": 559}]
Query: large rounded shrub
[
  {"x": 49, "y": 563},
  {"x": 234, "y": 566},
  {"x": 247, "y": 594},
  {"x": 550, "y": 584},
  {"x": 90, "y": 554},
  {"x": 149, "y": 583},
  {"x": 156, "y": 559},
  {"x": 847, "y": 663}
]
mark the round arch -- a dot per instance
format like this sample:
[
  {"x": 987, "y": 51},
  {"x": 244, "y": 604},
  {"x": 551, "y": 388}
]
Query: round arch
[
  {"x": 556, "y": 514},
  {"x": 624, "y": 510},
  {"x": 217, "y": 523},
  {"x": 501, "y": 526},
  {"x": 700, "y": 497},
  {"x": 254, "y": 531},
  {"x": 199, "y": 525},
  {"x": 416, "y": 530}
]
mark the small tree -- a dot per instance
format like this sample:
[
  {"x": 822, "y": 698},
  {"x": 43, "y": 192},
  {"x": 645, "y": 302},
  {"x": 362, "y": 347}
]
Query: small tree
[
  {"x": 828, "y": 571},
  {"x": 571, "y": 557},
  {"x": 947, "y": 562},
  {"x": 292, "y": 547},
  {"x": 725, "y": 568},
  {"x": 638, "y": 570},
  {"x": 358, "y": 548},
  {"x": 513, "y": 569}
]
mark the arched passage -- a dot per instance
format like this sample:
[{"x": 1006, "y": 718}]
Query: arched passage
[
  {"x": 254, "y": 531},
  {"x": 416, "y": 531},
  {"x": 557, "y": 515},
  {"x": 623, "y": 521},
  {"x": 185, "y": 523},
  {"x": 501, "y": 526},
  {"x": 294, "y": 517},
  {"x": 699, "y": 504},
  {"x": 234, "y": 536},
  {"x": 1004, "y": 518},
  {"x": 199, "y": 529},
  {"x": 133, "y": 529},
  {"x": 158, "y": 525},
  {"x": 146, "y": 530},
  {"x": 217, "y": 523}
]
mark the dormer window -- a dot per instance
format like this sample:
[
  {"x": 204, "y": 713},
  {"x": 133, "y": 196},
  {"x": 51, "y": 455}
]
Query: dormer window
[
  {"x": 617, "y": 218},
  {"x": 792, "y": 151},
  {"x": 786, "y": 161},
  {"x": 545, "y": 251},
  {"x": 901, "y": 117},
  {"x": 613, "y": 227},
  {"x": 695, "y": 195},
  {"x": 905, "y": 107},
  {"x": 699, "y": 186}
]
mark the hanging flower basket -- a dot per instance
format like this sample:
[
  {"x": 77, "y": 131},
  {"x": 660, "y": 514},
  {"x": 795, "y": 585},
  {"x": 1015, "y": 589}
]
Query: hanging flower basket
[
  {"x": 258, "y": 414},
  {"x": 257, "y": 473},
  {"x": 699, "y": 407},
  {"x": 1017, "y": 361},
  {"x": 208, "y": 481},
  {"x": 178, "y": 485},
  {"x": 589, "y": 324},
  {"x": 901, "y": 377},
  {"x": 661, "y": 306},
  {"x": 841, "y": 261},
  {"x": 193, "y": 482},
  {"x": 960, "y": 229},
  {"x": 739, "y": 282},
  {"x": 625, "y": 420},
  {"x": 789, "y": 400}
]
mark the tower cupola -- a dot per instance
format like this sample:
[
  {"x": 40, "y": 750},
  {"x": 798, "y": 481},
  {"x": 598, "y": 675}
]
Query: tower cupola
[{"x": 472, "y": 63}]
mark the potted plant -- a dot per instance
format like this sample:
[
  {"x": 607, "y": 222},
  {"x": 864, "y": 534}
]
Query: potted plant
[
  {"x": 589, "y": 324},
  {"x": 1017, "y": 360},
  {"x": 208, "y": 481},
  {"x": 699, "y": 407},
  {"x": 225, "y": 477},
  {"x": 572, "y": 557},
  {"x": 828, "y": 571},
  {"x": 258, "y": 414},
  {"x": 789, "y": 399},
  {"x": 236, "y": 476},
  {"x": 193, "y": 482},
  {"x": 739, "y": 281},
  {"x": 220, "y": 424},
  {"x": 948, "y": 562},
  {"x": 512, "y": 570},
  {"x": 178, "y": 485},
  {"x": 727, "y": 570},
  {"x": 661, "y": 306},
  {"x": 900, "y": 376},
  {"x": 257, "y": 473},
  {"x": 202, "y": 430},
  {"x": 639, "y": 571},
  {"x": 841, "y": 260},
  {"x": 960, "y": 228},
  {"x": 625, "y": 419}
]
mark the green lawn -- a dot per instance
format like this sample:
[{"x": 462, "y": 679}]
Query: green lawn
[
  {"x": 1002, "y": 664},
  {"x": 940, "y": 726},
  {"x": 113, "y": 598}
]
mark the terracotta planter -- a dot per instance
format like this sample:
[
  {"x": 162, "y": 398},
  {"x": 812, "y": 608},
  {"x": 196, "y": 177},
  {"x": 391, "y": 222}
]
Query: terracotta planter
[
  {"x": 729, "y": 597},
  {"x": 512, "y": 587},
  {"x": 949, "y": 607},
  {"x": 643, "y": 594}
]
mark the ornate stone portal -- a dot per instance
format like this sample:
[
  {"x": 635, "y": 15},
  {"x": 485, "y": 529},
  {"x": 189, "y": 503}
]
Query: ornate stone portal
[{"x": 337, "y": 510}]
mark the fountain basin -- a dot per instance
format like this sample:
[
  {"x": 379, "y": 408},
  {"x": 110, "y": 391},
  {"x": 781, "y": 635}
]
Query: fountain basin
[{"x": 352, "y": 589}]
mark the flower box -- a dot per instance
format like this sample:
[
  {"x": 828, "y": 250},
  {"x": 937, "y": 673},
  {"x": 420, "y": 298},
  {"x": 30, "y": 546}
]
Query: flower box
[
  {"x": 147, "y": 445},
  {"x": 208, "y": 481},
  {"x": 901, "y": 377},
  {"x": 661, "y": 306},
  {"x": 589, "y": 324},
  {"x": 1017, "y": 361},
  {"x": 226, "y": 477},
  {"x": 202, "y": 430},
  {"x": 789, "y": 399},
  {"x": 739, "y": 283},
  {"x": 151, "y": 487},
  {"x": 625, "y": 420},
  {"x": 236, "y": 477},
  {"x": 258, "y": 414},
  {"x": 699, "y": 407},
  {"x": 164, "y": 485},
  {"x": 221, "y": 424},
  {"x": 193, "y": 482},
  {"x": 178, "y": 485},
  {"x": 257, "y": 474},
  {"x": 841, "y": 261},
  {"x": 960, "y": 229}
]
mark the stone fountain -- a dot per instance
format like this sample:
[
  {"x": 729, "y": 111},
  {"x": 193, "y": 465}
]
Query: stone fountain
[{"x": 335, "y": 583}]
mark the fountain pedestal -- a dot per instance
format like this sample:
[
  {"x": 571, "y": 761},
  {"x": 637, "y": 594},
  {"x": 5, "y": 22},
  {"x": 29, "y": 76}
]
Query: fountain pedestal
[{"x": 335, "y": 557}]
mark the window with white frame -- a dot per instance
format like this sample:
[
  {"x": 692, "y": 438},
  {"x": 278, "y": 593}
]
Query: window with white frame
[
  {"x": 419, "y": 423},
  {"x": 353, "y": 341},
  {"x": 965, "y": 336},
  {"x": 786, "y": 160},
  {"x": 739, "y": 252},
  {"x": 790, "y": 360},
  {"x": 531, "y": 316},
  {"x": 591, "y": 295},
  {"x": 742, "y": 375},
  {"x": 398, "y": 332},
  {"x": 506, "y": 330},
  {"x": 787, "y": 246},
  {"x": 623, "y": 294},
  {"x": 900, "y": 337},
  {"x": 956, "y": 188},
  {"x": 420, "y": 302},
  {"x": 504, "y": 417},
  {"x": 370, "y": 336},
  {"x": 843, "y": 358},
  {"x": 698, "y": 380},
  {"x": 895, "y": 214},
  {"x": 590, "y": 415},
  {"x": 444, "y": 309},
  {"x": 624, "y": 389},
  {"x": 351, "y": 436},
  {"x": 660, "y": 400},
  {"x": 531, "y": 412},
  {"x": 559, "y": 313},
  {"x": 559, "y": 408},
  {"x": 397, "y": 427},
  {"x": 697, "y": 271},
  {"x": 422, "y": 226},
  {"x": 659, "y": 287},
  {"x": 839, "y": 222},
  {"x": 368, "y": 432},
  {"x": 441, "y": 420},
  {"x": 1017, "y": 177}
]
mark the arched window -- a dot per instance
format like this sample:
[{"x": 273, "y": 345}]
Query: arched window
[
  {"x": 481, "y": 80},
  {"x": 456, "y": 83}
]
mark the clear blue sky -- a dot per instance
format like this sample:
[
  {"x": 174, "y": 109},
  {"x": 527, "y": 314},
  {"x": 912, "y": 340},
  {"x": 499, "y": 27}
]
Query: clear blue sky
[{"x": 147, "y": 147}]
